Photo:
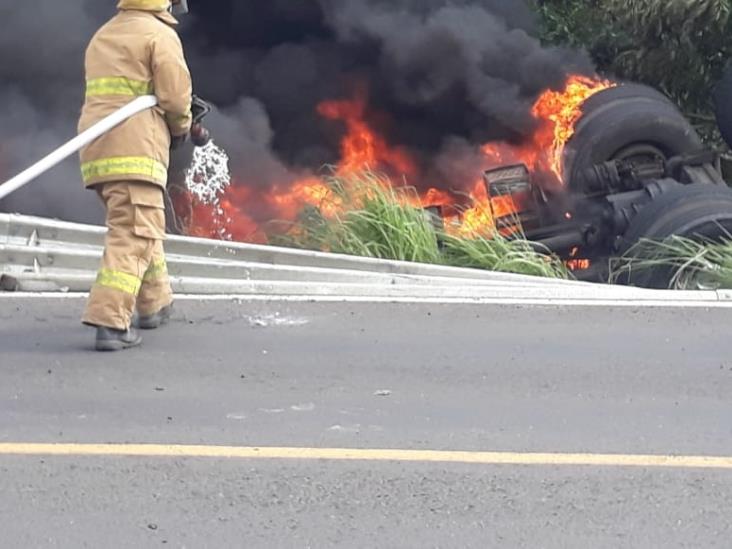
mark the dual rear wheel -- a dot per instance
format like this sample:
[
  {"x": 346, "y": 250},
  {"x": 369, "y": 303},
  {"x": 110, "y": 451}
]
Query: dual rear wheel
[{"x": 638, "y": 124}]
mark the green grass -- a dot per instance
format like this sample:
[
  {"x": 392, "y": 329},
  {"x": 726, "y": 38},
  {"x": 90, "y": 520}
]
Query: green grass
[
  {"x": 379, "y": 220},
  {"x": 502, "y": 254},
  {"x": 692, "y": 263}
]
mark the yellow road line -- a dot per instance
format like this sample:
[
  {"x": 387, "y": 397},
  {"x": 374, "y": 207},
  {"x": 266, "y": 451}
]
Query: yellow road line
[{"x": 343, "y": 454}]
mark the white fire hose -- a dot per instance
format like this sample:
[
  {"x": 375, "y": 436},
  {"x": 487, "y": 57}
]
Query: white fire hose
[{"x": 62, "y": 153}]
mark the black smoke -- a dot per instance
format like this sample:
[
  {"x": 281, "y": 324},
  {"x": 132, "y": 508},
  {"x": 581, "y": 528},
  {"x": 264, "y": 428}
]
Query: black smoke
[
  {"x": 41, "y": 88},
  {"x": 451, "y": 74}
]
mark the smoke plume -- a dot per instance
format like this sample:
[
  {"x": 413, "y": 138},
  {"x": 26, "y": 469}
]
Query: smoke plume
[{"x": 449, "y": 74}]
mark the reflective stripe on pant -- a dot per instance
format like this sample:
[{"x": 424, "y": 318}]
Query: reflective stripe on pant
[
  {"x": 133, "y": 271},
  {"x": 155, "y": 292}
]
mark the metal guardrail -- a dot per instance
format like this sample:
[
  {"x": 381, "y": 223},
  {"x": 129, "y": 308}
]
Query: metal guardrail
[
  {"x": 39, "y": 254},
  {"x": 22, "y": 230},
  {"x": 43, "y": 260}
]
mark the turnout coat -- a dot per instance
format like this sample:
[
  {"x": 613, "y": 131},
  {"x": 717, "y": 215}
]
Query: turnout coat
[{"x": 138, "y": 52}]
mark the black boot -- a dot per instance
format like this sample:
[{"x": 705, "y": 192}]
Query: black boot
[
  {"x": 155, "y": 321},
  {"x": 109, "y": 339}
]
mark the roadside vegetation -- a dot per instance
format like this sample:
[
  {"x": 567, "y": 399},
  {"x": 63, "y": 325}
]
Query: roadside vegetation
[
  {"x": 688, "y": 264},
  {"x": 365, "y": 215}
]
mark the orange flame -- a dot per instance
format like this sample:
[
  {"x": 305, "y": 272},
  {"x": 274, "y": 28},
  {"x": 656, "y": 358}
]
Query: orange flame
[
  {"x": 478, "y": 220},
  {"x": 363, "y": 147},
  {"x": 560, "y": 112}
]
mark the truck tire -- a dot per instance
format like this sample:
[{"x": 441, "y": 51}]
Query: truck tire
[
  {"x": 723, "y": 105},
  {"x": 693, "y": 211},
  {"x": 626, "y": 120}
]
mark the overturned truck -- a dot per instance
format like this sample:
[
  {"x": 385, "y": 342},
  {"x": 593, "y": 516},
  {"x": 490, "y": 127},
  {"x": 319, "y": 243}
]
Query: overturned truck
[{"x": 634, "y": 169}]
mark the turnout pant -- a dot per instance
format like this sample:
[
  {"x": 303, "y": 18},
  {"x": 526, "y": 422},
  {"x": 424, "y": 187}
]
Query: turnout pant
[{"x": 133, "y": 273}]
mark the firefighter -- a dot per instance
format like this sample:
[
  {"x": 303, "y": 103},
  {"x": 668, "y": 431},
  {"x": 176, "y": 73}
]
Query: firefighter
[{"x": 138, "y": 52}]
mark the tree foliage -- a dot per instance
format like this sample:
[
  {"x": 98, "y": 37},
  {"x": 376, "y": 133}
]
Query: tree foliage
[{"x": 678, "y": 46}]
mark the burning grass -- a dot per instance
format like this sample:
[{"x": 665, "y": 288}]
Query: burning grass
[
  {"x": 691, "y": 264},
  {"x": 374, "y": 218}
]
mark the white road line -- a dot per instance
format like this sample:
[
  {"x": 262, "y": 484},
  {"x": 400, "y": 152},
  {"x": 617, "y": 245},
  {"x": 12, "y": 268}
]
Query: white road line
[{"x": 669, "y": 303}]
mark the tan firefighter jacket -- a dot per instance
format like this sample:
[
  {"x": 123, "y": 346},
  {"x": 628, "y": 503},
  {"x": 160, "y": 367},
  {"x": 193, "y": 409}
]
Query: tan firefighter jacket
[{"x": 136, "y": 53}]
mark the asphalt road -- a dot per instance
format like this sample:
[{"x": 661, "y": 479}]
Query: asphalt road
[{"x": 368, "y": 376}]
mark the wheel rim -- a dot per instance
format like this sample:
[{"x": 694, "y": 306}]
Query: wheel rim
[{"x": 642, "y": 154}]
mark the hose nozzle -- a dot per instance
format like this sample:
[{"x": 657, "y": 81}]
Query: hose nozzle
[{"x": 200, "y": 136}]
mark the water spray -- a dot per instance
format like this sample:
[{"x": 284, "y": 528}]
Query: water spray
[{"x": 208, "y": 176}]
